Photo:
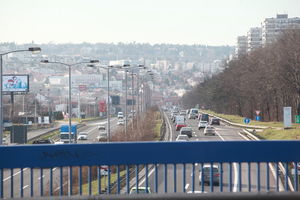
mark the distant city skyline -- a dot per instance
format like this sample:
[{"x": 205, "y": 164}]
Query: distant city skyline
[{"x": 209, "y": 22}]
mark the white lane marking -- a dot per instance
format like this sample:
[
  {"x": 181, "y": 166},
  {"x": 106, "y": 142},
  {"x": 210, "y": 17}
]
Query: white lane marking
[
  {"x": 26, "y": 186},
  {"x": 270, "y": 166},
  {"x": 59, "y": 186},
  {"x": 235, "y": 182},
  {"x": 187, "y": 186},
  {"x": 40, "y": 177},
  {"x": 15, "y": 174},
  {"x": 149, "y": 174}
]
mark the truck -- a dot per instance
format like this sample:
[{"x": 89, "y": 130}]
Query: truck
[
  {"x": 179, "y": 118},
  {"x": 64, "y": 133}
]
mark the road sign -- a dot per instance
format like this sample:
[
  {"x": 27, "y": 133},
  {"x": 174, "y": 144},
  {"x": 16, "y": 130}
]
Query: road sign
[
  {"x": 257, "y": 118},
  {"x": 247, "y": 120},
  {"x": 287, "y": 117},
  {"x": 297, "y": 119},
  {"x": 257, "y": 112}
]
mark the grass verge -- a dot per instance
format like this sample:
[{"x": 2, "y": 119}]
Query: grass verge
[
  {"x": 274, "y": 132},
  {"x": 240, "y": 120},
  {"x": 104, "y": 180}
]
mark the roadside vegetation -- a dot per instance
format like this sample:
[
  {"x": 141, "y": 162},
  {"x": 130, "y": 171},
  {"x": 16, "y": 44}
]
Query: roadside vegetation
[
  {"x": 266, "y": 79},
  {"x": 275, "y": 130},
  {"x": 149, "y": 130}
]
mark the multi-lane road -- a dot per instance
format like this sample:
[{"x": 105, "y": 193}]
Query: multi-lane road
[
  {"x": 12, "y": 178},
  {"x": 191, "y": 181}
]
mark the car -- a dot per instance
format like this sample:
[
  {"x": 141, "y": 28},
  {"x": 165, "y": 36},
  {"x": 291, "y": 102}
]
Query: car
[
  {"x": 43, "y": 141},
  {"x": 203, "y": 117},
  {"x": 209, "y": 130},
  {"x": 196, "y": 192},
  {"x": 140, "y": 190},
  {"x": 202, "y": 124},
  {"x": 102, "y": 138},
  {"x": 193, "y": 113},
  {"x": 101, "y": 127},
  {"x": 120, "y": 115},
  {"x": 182, "y": 112},
  {"x": 179, "y": 125},
  {"x": 82, "y": 136},
  {"x": 186, "y": 131},
  {"x": 205, "y": 173},
  {"x": 121, "y": 122},
  {"x": 182, "y": 138},
  {"x": 214, "y": 121}
]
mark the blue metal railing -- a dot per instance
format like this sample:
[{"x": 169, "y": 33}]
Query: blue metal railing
[{"x": 159, "y": 167}]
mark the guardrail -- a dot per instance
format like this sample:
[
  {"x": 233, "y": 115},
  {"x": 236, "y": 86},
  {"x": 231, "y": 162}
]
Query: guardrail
[
  {"x": 176, "y": 164},
  {"x": 250, "y": 136}
]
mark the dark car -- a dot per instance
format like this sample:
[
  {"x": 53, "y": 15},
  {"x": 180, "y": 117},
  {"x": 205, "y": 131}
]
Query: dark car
[
  {"x": 42, "y": 141},
  {"x": 215, "y": 121},
  {"x": 186, "y": 131}
]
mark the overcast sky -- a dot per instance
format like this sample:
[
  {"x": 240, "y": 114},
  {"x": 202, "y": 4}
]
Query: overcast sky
[{"x": 211, "y": 22}]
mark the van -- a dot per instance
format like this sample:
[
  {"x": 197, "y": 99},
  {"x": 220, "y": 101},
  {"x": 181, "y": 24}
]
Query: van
[
  {"x": 193, "y": 113},
  {"x": 120, "y": 115}
]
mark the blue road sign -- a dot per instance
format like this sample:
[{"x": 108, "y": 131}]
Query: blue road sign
[
  {"x": 246, "y": 120},
  {"x": 257, "y": 118}
]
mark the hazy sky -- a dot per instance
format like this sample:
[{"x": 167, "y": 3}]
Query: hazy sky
[{"x": 212, "y": 22}]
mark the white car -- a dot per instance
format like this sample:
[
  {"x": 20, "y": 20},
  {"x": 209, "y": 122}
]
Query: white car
[
  {"x": 181, "y": 138},
  {"x": 209, "y": 130},
  {"x": 202, "y": 124},
  {"x": 121, "y": 122},
  {"x": 82, "y": 136},
  {"x": 120, "y": 115}
]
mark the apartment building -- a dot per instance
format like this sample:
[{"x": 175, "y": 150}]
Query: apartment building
[
  {"x": 242, "y": 45},
  {"x": 254, "y": 37},
  {"x": 273, "y": 27}
]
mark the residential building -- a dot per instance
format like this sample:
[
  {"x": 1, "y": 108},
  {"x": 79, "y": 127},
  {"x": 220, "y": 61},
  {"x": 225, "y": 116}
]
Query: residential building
[
  {"x": 254, "y": 38},
  {"x": 242, "y": 45},
  {"x": 272, "y": 27}
]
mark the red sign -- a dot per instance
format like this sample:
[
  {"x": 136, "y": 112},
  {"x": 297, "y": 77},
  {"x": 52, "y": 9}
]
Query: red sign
[
  {"x": 82, "y": 88},
  {"x": 257, "y": 112},
  {"x": 102, "y": 106}
]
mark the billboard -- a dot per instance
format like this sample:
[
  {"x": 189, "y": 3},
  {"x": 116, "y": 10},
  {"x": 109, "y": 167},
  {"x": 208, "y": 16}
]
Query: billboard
[
  {"x": 115, "y": 100},
  {"x": 15, "y": 83},
  {"x": 102, "y": 106}
]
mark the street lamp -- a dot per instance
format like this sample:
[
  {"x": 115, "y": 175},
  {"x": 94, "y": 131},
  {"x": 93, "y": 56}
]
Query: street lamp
[
  {"x": 70, "y": 103},
  {"x": 127, "y": 68},
  {"x": 31, "y": 49},
  {"x": 108, "y": 94}
]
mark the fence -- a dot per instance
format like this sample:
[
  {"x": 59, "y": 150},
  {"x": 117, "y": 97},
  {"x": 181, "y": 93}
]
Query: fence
[{"x": 149, "y": 167}]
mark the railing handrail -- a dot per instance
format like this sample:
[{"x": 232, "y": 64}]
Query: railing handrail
[{"x": 148, "y": 153}]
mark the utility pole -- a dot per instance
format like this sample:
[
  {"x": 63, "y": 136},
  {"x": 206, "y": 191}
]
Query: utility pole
[{"x": 125, "y": 102}]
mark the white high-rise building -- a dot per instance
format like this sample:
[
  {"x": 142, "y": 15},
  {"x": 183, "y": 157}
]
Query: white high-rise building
[
  {"x": 242, "y": 45},
  {"x": 272, "y": 27},
  {"x": 254, "y": 38}
]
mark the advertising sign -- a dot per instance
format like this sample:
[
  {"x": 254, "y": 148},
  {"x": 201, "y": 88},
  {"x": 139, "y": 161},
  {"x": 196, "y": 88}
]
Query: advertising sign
[
  {"x": 287, "y": 117},
  {"x": 102, "y": 106},
  {"x": 15, "y": 83},
  {"x": 46, "y": 120}
]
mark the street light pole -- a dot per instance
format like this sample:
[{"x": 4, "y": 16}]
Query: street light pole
[
  {"x": 31, "y": 49},
  {"x": 70, "y": 109},
  {"x": 108, "y": 108},
  {"x": 70, "y": 103},
  {"x": 126, "y": 102}
]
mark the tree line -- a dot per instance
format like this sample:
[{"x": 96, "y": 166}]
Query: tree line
[{"x": 266, "y": 79}]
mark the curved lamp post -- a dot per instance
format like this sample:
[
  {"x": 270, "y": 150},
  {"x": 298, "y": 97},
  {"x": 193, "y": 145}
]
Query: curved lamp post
[{"x": 31, "y": 49}]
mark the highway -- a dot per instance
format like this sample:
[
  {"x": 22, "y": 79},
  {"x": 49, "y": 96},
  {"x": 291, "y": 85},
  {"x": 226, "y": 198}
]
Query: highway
[
  {"x": 224, "y": 133},
  {"x": 91, "y": 128}
]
